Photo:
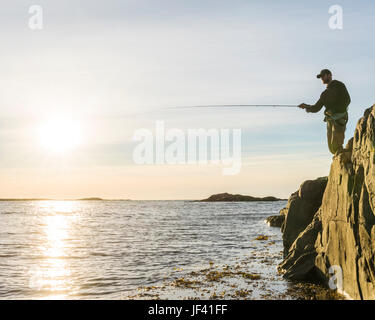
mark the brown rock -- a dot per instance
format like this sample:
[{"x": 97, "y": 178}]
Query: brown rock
[
  {"x": 301, "y": 208},
  {"x": 275, "y": 221},
  {"x": 342, "y": 232}
]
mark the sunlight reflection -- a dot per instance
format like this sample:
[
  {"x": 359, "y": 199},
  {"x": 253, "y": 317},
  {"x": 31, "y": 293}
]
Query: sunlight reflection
[
  {"x": 54, "y": 207},
  {"x": 53, "y": 277},
  {"x": 56, "y": 231}
]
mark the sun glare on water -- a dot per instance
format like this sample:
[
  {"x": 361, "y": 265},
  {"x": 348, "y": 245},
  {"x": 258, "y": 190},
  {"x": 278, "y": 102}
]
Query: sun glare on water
[
  {"x": 60, "y": 135},
  {"x": 51, "y": 276}
]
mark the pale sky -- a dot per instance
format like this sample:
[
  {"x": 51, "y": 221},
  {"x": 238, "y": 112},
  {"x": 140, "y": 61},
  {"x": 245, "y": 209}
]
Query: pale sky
[{"x": 116, "y": 66}]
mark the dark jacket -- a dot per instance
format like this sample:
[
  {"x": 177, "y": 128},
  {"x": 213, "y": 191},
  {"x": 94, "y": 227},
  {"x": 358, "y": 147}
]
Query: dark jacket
[{"x": 335, "y": 98}]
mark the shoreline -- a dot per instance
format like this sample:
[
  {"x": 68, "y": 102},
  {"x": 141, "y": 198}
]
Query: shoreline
[{"x": 252, "y": 275}]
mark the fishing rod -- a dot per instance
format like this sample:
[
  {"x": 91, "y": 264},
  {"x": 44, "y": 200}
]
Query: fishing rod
[
  {"x": 239, "y": 106},
  {"x": 223, "y": 106}
]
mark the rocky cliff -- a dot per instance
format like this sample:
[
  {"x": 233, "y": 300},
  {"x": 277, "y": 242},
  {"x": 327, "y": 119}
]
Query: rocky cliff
[{"x": 329, "y": 227}]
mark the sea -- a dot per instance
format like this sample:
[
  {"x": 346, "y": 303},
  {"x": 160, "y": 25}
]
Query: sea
[{"x": 115, "y": 249}]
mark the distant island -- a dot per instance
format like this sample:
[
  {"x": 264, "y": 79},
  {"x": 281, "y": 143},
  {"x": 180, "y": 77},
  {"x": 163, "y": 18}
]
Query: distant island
[
  {"x": 237, "y": 197},
  {"x": 20, "y": 199},
  {"x": 46, "y": 199}
]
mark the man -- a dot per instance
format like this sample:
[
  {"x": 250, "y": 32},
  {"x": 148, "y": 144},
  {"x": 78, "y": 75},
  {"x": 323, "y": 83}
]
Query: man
[{"x": 336, "y": 100}]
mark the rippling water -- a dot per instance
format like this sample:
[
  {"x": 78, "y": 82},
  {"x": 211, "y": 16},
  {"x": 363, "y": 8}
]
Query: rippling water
[{"x": 106, "y": 249}]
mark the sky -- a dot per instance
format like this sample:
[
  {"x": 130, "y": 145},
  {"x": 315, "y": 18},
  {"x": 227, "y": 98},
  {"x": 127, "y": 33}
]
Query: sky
[{"x": 105, "y": 69}]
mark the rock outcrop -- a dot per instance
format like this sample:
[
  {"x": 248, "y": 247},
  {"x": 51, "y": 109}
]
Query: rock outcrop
[
  {"x": 301, "y": 208},
  {"x": 276, "y": 221},
  {"x": 340, "y": 234}
]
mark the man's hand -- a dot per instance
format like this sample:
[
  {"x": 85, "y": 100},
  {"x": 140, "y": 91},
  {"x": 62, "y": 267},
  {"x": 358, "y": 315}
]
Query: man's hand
[{"x": 303, "y": 106}]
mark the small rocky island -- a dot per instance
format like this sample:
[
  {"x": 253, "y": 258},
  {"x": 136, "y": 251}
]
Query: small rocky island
[{"x": 227, "y": 197}]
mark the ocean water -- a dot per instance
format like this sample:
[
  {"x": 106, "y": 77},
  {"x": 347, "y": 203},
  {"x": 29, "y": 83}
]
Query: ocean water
[{"x": 108, "y": 249}]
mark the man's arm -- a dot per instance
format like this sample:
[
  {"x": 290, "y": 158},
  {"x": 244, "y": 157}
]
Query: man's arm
[{"x": 315, "y": 107}]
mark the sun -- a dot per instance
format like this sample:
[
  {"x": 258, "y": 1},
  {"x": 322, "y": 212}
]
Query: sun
[{"x": 60, "y": 135}]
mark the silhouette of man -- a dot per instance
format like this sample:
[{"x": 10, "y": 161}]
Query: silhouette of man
[{"x": 336, "y": 100}]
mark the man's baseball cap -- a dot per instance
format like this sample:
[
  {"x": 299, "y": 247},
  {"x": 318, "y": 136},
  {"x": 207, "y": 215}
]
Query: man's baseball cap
[{"x": 323, "y": 72}]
